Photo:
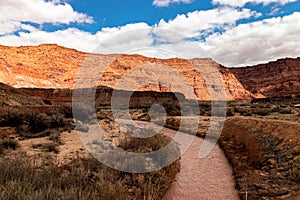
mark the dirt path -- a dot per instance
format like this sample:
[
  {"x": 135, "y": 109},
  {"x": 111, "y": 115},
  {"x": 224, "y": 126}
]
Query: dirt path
[{"x": 201, "y": 179}]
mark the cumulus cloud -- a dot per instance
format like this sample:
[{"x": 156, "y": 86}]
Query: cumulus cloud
[
  {"x": 235, "y": 45},
  {"x": 241, "y": 3},
  {"x": 257, "y": 42},
  {"x": 166, "y": 3},
  {"x": 14, "y": 12},
  {"x": 111, "y": 40},
  {"x": 194, "y": 23}
]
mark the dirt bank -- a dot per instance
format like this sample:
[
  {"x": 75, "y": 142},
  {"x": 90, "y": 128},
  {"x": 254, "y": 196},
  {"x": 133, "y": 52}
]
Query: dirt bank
[{"x": 264, "y": 154}]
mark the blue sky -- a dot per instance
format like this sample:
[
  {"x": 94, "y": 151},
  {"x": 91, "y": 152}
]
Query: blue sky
[
  {"x": 121, "y": 12},
  {"x": 234, "y": 33}
]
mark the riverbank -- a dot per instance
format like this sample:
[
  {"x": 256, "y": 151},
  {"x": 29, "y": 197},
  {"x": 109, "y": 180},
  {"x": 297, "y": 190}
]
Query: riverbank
[{"x": 264, "y": 155}]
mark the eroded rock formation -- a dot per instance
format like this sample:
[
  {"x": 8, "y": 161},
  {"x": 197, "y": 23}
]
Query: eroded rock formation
[
  {"x": 277, "y": 78},
  {"x": 52, "y": 66}
]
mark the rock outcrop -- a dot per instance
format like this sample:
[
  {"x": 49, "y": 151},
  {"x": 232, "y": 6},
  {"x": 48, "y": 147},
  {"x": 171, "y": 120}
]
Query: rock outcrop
[
  {"x": 53, "y": 66},
  {"x": 277, "y": 78}
]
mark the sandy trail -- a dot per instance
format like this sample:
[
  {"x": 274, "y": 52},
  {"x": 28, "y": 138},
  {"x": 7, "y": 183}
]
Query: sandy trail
[{"x": 201, "y": 179}]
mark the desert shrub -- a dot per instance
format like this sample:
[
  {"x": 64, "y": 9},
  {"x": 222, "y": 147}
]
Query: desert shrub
[
  {"x": 205, "y": 111},
  {"x": 230, "y": 112},
  {"x": 283, "y": 111},
  {"x": 44, "y": 133},
  {"x": 8, "y": 143},
  {"x": 51, "y": 147},
  {"x": 295, "y": 171},
  {"x": 37, "y": 146},
  {"x": 66, "y": 110},
  {"x": 145, "y": 145},
  {"x": 21, "y": 178},
  {"x": 36, "y": 122},
  {"x": 42, "y": 178},
  {"x": 173, "y": 111},
  {"x": 55, "y": 137},
  {"x": 247, "y": 114},
  {"x": 13, "y": 117},
  {"x": 153, "y": 187},
  {"x": 243, "y": 111},
  {"x": 48, "y": 147},
  {"x": 262, "y": 111},
  {"x": 57, "y": 120}
]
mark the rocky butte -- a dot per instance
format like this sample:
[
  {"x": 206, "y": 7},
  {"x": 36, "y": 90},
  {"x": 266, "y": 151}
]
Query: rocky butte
[{"x": 53, "y": 66}]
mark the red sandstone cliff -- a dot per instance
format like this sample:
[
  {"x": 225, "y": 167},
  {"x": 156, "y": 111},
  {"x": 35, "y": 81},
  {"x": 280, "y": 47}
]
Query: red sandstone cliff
[
  {"x": 277, "y": 78},
  {"x": 52, "y": 66}
]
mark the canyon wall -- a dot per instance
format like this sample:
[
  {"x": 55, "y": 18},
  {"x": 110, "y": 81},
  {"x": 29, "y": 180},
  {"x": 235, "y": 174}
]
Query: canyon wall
[
  {"x": 53, "y": 66},
  {"x": 277, "y": 78}
]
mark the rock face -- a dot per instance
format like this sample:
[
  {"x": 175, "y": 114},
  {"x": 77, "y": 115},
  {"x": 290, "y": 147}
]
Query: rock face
[
  {"x": 278, "y": 78},
  {"x": 52, "y": 66},
  {"x": 10, "y": 96}
]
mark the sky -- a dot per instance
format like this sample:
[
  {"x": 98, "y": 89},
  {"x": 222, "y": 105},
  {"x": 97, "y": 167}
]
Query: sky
[{"x": 232, "y": 32}]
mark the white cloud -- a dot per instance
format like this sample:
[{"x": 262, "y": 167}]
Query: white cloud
[
  {"x": 237, "y": 45},
  {"x": 14, "y": 12},
  {"x": 193, "y": 23},
  {"x": 28, "y": 27},
  {"x": 110, "y": 39},
  {"x": 257, "y": 42},
  {"x": 241, "y": 3},
  {"x": 166, "y": 3},
  {"x": 274, "y": 11}
]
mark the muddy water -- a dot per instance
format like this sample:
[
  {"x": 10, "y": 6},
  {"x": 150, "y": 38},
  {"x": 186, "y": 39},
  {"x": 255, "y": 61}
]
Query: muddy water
[
  {"x": 201, "y": 179},
  {"x": 207, "y": 178}
]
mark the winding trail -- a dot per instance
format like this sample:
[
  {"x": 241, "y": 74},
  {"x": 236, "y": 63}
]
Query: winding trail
[{"x": 201, "y": 179}]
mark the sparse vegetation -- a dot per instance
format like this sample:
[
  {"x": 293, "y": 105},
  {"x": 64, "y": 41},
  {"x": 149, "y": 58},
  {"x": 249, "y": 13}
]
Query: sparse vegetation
[
  {"x": 173, "y": 111},
  {"x": 263, "y": 162},
  {"x": 262, "y": 111},
  {"x": 24, "y": 178},
  {"x": 31, "y": 124},
  {"x": 51, "y": 147},
  {"x": 8, "y": 143},
  {"x": 12, "y": 117}
]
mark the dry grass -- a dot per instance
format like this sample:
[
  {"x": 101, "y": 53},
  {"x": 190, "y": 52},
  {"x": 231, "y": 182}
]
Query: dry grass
[
  {"x": 8, "y": 143},
  {"x": 27, "y": 178},
  {"x": 42, "y": 178}
]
